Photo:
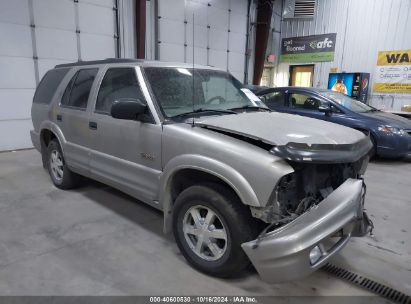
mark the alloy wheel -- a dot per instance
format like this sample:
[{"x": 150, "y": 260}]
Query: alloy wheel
[
  {"x": 56, "y": 165},
  {"x": 205, "y": 233}
]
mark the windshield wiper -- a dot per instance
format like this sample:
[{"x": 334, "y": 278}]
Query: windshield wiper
[
  {"x": 248, "y": 107},
  {"x": 201, "y": 110}
]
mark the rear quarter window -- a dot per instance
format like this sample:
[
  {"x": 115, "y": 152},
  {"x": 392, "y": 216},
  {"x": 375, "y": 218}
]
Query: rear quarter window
[{"x": 48, "y": 86}]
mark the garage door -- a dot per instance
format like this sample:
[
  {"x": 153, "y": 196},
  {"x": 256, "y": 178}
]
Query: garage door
[
  {"x": 220, "y": 28},
  {"x": 37, "y": 35}
]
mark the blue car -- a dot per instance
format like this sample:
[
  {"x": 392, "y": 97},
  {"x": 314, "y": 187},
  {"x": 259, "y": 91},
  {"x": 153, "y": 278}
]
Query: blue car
[{"x": 390, "y": 134}]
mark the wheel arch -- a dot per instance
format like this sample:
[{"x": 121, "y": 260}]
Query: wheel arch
[
  {"x": 187, "y": 170},
  {"x": 48, "y": 132}
]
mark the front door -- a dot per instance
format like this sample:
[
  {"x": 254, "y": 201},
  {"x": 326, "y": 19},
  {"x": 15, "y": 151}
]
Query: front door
[
  {"x": 125, "y": 153},
  {"x": 306, "y": 105},
  {"x": 275, "y": 100},
  {"x": 301, "y": 75}
]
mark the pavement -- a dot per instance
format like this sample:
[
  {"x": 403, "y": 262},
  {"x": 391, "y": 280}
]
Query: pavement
[{"x": 96, "y": 240}]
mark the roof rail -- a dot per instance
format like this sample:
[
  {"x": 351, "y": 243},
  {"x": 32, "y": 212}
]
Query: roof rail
[{"x": 92, "y": 62}]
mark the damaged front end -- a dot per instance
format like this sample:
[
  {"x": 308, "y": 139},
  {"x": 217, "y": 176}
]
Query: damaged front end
[{"x": 322, "y": 201}]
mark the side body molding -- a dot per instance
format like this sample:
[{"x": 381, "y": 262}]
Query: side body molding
[{"x": 209, "y": 165}]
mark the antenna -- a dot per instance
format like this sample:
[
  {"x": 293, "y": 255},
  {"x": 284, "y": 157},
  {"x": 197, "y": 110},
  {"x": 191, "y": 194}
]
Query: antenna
[{"x": 193, "y": 73}]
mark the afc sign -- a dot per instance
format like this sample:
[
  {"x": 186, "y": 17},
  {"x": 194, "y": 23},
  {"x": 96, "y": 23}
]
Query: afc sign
[
  {"x": 312, "y": 48},
  {"x": 316, "y": 44},
  {"x": 326, "y": 43}
]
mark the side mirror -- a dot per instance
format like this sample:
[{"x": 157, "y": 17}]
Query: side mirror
[
  {"x": 128, "y": 109},
  {"x": 325, "y": 109}
]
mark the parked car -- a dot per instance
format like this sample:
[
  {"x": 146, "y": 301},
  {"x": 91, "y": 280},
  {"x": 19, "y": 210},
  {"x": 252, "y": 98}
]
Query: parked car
[
  {"x": 256, "y": 88},
  {"x": 390, "y": 134},
  {"x": 236, "y": 182}
]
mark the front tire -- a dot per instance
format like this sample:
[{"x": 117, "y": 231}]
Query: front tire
[
  {"x": 209, "y": 225},
  {"x": 61, "y": 176}
]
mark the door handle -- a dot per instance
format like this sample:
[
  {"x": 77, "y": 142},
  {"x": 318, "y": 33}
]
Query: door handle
[
  {"x": 59, "y": 117},
  {"x": 92, "y": 125}
]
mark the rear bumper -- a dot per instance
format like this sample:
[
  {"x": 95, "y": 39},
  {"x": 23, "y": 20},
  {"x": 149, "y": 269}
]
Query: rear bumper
[
  {"x": 283, "y": 254},
  {"x": 35, "y": 139}
]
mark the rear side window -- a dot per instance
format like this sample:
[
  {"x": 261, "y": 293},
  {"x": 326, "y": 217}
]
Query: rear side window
[
  {"x": 48, "y": 85},
  {"x": 118, "y": 84},
  {"x": 78, "y": 90}
]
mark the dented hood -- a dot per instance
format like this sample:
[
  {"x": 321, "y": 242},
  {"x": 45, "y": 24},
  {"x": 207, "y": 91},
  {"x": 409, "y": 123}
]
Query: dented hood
[{"x": 280, "y": 129}]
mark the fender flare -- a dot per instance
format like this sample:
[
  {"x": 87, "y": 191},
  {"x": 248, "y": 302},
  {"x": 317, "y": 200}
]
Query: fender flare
[
  {"x": 55, "y": 129},
  {"x": 205, "y": 164}
]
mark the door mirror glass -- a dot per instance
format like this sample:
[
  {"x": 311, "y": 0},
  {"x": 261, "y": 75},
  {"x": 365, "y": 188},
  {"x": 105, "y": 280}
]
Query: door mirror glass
[{"x": 129, "y": 109}]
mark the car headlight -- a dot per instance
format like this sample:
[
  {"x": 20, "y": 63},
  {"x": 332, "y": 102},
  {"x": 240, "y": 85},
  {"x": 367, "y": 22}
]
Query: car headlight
[{"x": 391, "y": 130}]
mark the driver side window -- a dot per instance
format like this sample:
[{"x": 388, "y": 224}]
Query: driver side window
[
  {"x": 118, "y": 84},
  {"x": 306, "y": 102},
  {"x": 273, "y": 99}
]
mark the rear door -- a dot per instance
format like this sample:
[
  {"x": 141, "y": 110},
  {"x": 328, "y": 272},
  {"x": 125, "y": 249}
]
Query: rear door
[
  {"x": 72, "y": 116},
  {"x": 125, "y": 153}
]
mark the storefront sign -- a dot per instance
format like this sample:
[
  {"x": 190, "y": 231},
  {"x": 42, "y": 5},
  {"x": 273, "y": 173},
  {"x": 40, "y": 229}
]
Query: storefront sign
[
  {"x": 308, "y": 49},
  {"x": 393, "y": 73}
]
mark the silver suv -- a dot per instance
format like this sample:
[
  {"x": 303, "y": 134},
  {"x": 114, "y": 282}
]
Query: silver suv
[{"x": 236, "y": 182}]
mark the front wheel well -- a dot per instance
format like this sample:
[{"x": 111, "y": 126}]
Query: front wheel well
[
  {"x": 182, "y": 180},
  {"x": 185, "y": 178}
]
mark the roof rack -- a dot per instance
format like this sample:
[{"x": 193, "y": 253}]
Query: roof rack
[{"x": 92, "y": 62}]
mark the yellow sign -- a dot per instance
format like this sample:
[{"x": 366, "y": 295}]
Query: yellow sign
[
  {"x": 333, "y": 70},
  {"x": 393, "y": 72},
  {"x": 394, "y": 57}
]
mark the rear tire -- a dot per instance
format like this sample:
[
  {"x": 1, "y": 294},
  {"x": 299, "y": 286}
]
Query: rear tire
[
  {"x": 223, "y": 223},
  {"x": 61, "y": 176}
]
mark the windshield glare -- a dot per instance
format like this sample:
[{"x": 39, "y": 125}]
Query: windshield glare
[
  {"x": 176, "y": 89},
  {"x": 347, "y": 102}
]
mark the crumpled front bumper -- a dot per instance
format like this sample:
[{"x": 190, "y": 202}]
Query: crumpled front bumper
[{"x": 283, "y": 254}]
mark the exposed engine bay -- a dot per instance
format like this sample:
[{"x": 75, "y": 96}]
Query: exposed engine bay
[{"x": 304, "y": 188}]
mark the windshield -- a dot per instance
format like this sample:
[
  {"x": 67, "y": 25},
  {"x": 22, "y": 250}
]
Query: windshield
[
  {"x": 347, "y": 102},
  {"x": 176, "y": 89}
]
